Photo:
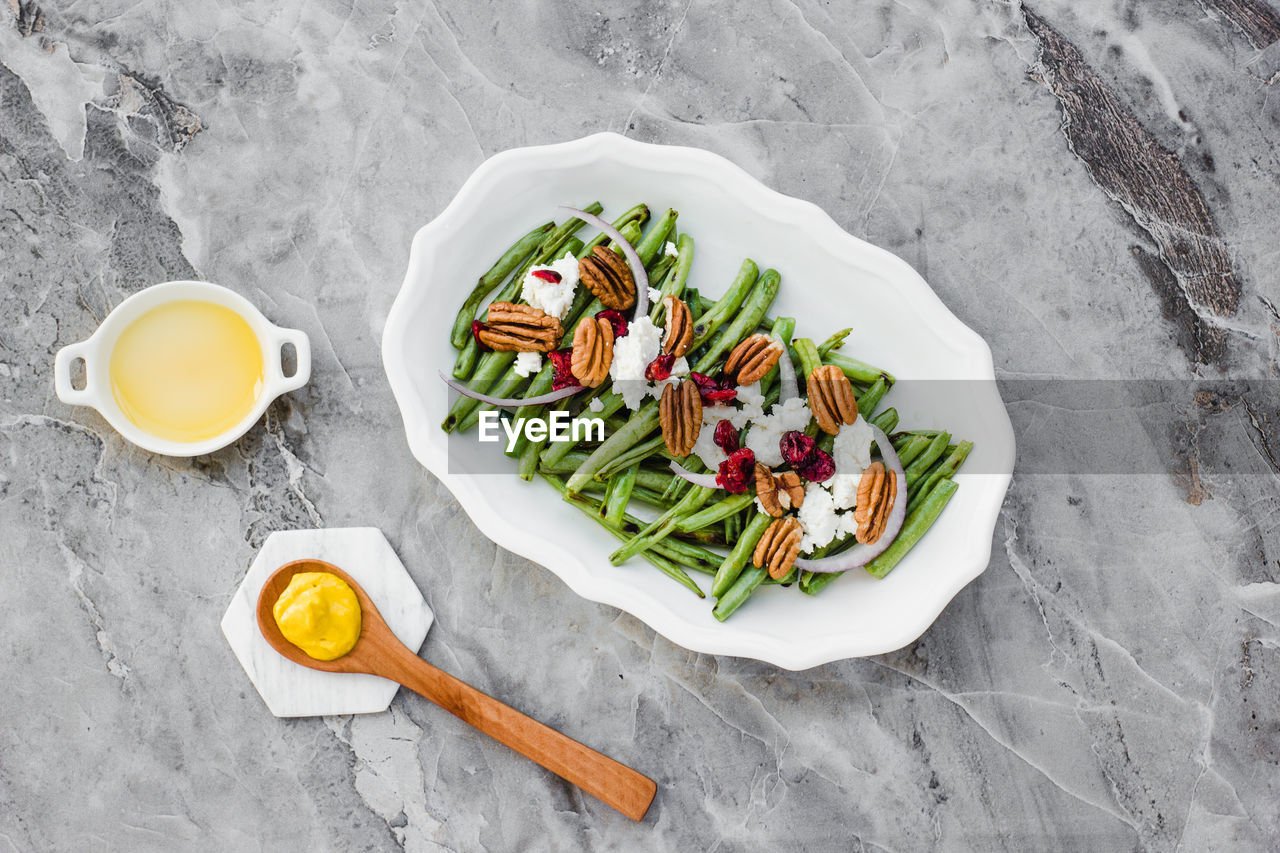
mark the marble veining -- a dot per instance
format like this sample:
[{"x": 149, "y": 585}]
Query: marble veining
[{"x": 1111, "y": 682}]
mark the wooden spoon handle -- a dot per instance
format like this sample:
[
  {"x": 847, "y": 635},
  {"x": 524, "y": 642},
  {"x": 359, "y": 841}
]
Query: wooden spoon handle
[{"x": 599, "y": 775}]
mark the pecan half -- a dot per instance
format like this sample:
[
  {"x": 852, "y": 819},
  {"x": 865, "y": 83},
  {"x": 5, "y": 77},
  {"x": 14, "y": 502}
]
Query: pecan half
[
  {"x": 609, "y": 278},
  {"x": 877, "y": 490},
  {"x": 778, "y": 547},
  {"x": 831, "y": 398},
  {"x": 752, "y": 359},
  {"x": 680, "y": 412},
  {"x": 679, "y": 326},
  {"x": 592, "y": 351},
  {"x": 519, "y": 328},
  {"x": 778, "y": 492}
]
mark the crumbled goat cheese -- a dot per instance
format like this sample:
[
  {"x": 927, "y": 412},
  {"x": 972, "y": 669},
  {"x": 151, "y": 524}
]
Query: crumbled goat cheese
[
  {"x": 528, "y": 363},
  {"x": 752, "y": 404},
  {"x": 848, "y": 525},
  {"x": 553, "y": 298},
  {"x": 654, "y": 294},
  {"x": 596, "y": 405},
  {"x": 671, "y": 250},
  {"x": 631, "y": 355},
  {"x": 705, "y": 447},
  {"x": 767, "y": 431},
  {"x": 818, "y": 518},
  {"x": 851, "y": 450},
  {"x": 844, "y": 489}
]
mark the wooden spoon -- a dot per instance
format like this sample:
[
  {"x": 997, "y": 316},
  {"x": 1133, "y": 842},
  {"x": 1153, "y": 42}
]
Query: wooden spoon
[{"x": 379, "y": 652}]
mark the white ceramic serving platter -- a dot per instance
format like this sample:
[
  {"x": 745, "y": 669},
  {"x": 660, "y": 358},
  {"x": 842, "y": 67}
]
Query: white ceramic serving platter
[{"x": 829, "y": 280}]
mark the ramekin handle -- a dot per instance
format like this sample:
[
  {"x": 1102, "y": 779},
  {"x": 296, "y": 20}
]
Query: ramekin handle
[
  {"x": 62, "y": 374},
  {"x": 302, "y": 346}
]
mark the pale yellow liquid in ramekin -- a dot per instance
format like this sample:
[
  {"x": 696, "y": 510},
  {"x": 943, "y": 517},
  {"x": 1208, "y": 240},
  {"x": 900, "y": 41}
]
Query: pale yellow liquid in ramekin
[{"x": 187, "y": 370}]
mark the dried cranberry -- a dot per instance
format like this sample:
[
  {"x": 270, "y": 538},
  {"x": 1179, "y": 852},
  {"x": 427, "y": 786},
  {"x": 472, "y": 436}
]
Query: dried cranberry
[
  {"x": 476, "y": 326},
  {"x": 726, "y": 436},
  {"x": 616, "y": 320},
  {"x": 796, "y": 448},
  {"x": 737, "y": 471},
  {"x": 712, "y": 390},
  {"x": 660, "y": 368},
  {"x": 550, "y": 276},
  {"x": 820, "y": 466},
  {"x": 563, "y": 376}
]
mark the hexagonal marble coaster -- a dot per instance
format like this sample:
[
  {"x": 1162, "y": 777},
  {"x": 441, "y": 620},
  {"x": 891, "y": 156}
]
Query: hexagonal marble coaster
[{"x": 291, "y": 690}]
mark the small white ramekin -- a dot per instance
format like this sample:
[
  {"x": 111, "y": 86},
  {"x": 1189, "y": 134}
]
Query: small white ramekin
[{"x": 96, "y": 355}]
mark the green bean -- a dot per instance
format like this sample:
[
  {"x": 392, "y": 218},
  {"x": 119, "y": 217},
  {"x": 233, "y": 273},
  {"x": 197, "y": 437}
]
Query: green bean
[
  {"x": 630, "y": 232},
  {"x": 748, "y": 582},
  {"x": 914, "y": 528},
  {"x": 636, "y": 454},
  {"x": 679, "y": 277},
  {"x": 583, "y": 305},
  {"x": 833, "y": 342},
  {"x": 858, "y": 371},
  {"x": 610, "y": 401},
  {"x": 566, "y": 465},
  {"x": 623, "y": 485},
  {"x": 540, "y": 384},
  {"x": 732, "y": 565},
  {"x": 677, "y": 487},
  {"x": 727, "y": 306},
  {"x": 921, "y": 463},
  {"x": 649, "y": 496},
  {"x": 872, "y": 396},
  {"x": 510, "y": 385},
  {"x": 915, "y": 445},
  {"x": 694, "y": 301},
  {"x": 806, "y": 357},
  {"x": 490, "y": 370},
  {"x": 503, "y": 267},
  {"x": 664, "y": 565},
  {"x": 783, "y": 329},
  {"x": 916, "y": 524},
  {"x": 528, "y": 462},
  {"x": 716, "y": 512},
  {"x": 663, "y": 526},
  {"x": 643, "y": 422},
  {"x": 732, "y": 527},
  {"x": 638, "y": 214},
  {"x": 761, "y": 297},
  {"x": 465, "y": 364},
  {"x": 886, "y": 420},
  {"x": 945, "y": 469},
  {"x": 655, "y": 238},
  {"x": 656, "y": 480}
]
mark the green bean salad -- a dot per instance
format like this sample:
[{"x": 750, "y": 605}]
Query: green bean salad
[{"x": 768, "y": 457}]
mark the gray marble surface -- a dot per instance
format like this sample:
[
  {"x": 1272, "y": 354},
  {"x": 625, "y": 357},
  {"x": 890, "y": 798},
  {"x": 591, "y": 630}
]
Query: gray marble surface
[{"x": 1091, "y": 185}]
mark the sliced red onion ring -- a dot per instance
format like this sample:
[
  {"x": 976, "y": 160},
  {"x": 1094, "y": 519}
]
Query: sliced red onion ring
[
  {"x": 637, "y": 268},
  {"x": 786, "y": 374},
  {"x": 859, "y": 554},
  {"x": 510, "y": 402},
  {"x": 708, "y": 480}
]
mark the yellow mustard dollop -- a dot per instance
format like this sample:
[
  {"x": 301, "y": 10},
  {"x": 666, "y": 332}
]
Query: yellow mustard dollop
[{"x": 319, "y": 613}]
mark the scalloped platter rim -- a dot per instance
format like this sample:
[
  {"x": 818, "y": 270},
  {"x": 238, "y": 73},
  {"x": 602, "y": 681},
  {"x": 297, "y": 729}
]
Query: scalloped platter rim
[{"x": 898, "y": 323}]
